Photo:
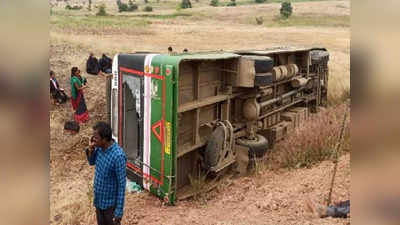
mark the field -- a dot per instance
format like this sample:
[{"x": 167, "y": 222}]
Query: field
[{"x": 273, "y": 196}]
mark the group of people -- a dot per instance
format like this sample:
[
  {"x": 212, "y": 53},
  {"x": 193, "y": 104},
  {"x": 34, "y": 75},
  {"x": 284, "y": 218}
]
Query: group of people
[
  {"x": 103, "y": 152},
  {"x": 78, "y": 84},
  {"x": 95, "y": 67},
  {"x": 110, "y": 160}
]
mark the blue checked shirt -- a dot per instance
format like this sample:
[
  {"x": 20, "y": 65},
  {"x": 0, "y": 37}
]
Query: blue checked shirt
[{"x": 109, "y": 178}]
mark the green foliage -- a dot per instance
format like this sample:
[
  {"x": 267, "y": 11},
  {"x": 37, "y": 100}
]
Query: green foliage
[
  {"x": 75, "y": 7},
  {"x": 102, "y": 10},
  {"x": 132, "y": 6},
  {"x": 89, "y": 5},
  {"x": 186, "y": 4},
  {"x": 148, "y": 8},
  {"x": 259, "y": 20},
  {"x": 286, "y": 9},
  {"x": 123, "y": 7},
  {"x": 214, "y": 3},
  {"x": 260, "y": 1},
  {"x": 232, "y": 3}
]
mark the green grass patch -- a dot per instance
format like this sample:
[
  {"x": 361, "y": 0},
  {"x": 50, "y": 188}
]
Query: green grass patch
[
  {"x": 165, "y": 16},
  {"x": 310, "y": 20},
  {"x": 97, "y": 22}
]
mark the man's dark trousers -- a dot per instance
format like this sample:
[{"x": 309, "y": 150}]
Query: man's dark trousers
[{"x": 105, "y": 217}]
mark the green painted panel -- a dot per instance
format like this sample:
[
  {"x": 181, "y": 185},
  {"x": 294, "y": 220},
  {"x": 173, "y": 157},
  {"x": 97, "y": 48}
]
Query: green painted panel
[{"x": 163, "y": 112}]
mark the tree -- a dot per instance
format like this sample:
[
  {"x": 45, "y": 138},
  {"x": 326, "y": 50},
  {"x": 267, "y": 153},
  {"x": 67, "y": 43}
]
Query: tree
[
  {"x": 122, "y": 7},
  {"x": 186, "y": 4},
  {"x": 286, "y": 9},
  {"x": 89, "y": 5}
]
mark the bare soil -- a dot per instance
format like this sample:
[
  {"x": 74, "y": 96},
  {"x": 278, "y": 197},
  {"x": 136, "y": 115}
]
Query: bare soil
[{"x": 274, "y": 197}]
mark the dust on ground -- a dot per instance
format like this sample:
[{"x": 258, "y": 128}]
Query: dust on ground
[{"x": 275, "y": 197}]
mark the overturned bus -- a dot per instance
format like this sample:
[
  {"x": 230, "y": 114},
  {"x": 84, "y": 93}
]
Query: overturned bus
[{"x": 176, "y": 115}]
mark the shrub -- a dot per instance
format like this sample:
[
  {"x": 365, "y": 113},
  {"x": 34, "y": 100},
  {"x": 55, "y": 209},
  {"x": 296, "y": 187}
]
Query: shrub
[
  {"x": 214, "y": 3},
  {"x": 232, "y": 3},
  {"x": 122, "y": 7},
  {"x": 132, "y": 6},
  {"x": 260, "y": 1},
  {"x": 186, "y": 4},
  {"x": 314, "y": 141},
  {"x": 286, "y": 9},
  {"x": 259, "y": 20},
  {"x": 102, "y": 10},
  {"x": 148, "y": 8},
  {"x": 89, "y": 5},
  {"x": 75, "y": 7}
]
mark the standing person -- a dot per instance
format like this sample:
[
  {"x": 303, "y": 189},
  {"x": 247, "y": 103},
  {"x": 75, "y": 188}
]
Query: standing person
[
  {"x": 56, "y": 92},
  {"x": 77, "y": 98},
  {"x": 110, "y": 175}
]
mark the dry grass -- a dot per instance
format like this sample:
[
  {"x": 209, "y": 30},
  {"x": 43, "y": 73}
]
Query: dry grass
[
  {"x": 74, "y": 34},
  {"x": 313, "y": 142},
  {"x": 312, "y": 20}
]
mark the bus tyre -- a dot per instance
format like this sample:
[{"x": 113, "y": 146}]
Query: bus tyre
[
  {"x": 257, "y": 147},
  {"x": 214, "y": 148}
]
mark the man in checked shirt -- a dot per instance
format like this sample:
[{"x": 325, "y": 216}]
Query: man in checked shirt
[{"x": 110, "y": 175}]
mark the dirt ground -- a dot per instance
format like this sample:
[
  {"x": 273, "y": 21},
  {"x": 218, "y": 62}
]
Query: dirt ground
[{"x": 274, "y": 197}]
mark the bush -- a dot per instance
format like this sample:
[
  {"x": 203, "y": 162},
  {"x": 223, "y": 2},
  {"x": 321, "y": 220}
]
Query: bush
[
  {"x": 232, "y": 3},
  {"x": 214, "y": 3},
  {"x": 286, "y": 9},
  {"x": 259, "y": 20},
  {"x": 102, "y": 10},
  {"x": 260, "y": 1},
  {"x": 132, "y": 6},
  {"x": 89, "y": 5},
  {"x": 123, "y": 7},
  {"x": 148, "y": 8},
  {"x": 314, "y": 141},
  {"x": 75, "y": 7},
  {"x": 186, "y": 4}
]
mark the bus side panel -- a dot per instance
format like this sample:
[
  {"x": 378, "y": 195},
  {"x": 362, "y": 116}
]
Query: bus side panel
[{"x": 163, "y": 112}]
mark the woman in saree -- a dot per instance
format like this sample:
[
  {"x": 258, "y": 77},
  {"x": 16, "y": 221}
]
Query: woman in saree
[{"x": 77, "y": 98}]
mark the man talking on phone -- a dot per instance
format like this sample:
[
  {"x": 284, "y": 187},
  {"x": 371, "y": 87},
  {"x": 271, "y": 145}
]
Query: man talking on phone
[{"x": 110, "y": 175}]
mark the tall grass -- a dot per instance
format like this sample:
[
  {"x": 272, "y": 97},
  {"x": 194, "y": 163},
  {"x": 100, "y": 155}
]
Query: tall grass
[{"x": 314, "y": 141}]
